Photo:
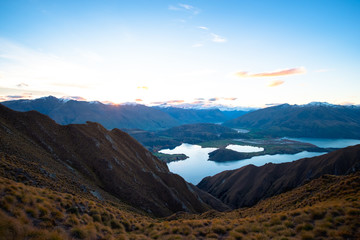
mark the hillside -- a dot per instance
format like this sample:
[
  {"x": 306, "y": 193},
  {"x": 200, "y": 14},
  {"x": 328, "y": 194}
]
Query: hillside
[
  {"x": 317, "y": 120},
  {"x": 90, "y": 160},
  {"x": 248, "y": 185},
  {"x": 326, "y": 208}
]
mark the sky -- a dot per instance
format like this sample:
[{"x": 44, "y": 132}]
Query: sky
[{"x": 234, "y": 53}]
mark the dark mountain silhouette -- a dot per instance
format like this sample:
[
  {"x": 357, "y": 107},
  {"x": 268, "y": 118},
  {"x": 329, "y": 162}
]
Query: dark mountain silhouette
[
  {"x": 320, "y": 120},
  {"x": 88, "y": 159},
  {"x": 248, "y": 185},
  {"x": 127, "y": 116}
]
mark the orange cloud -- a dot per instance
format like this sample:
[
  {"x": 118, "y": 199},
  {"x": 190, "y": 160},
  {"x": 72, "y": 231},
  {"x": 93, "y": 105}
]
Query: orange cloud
[
  {"x": 275, "y": 83},
  {"x": 138, "y": 100},
  {"x": 143, "y": 88},
  {"x": 230, "y": 99},
  {"x": 175, "y": 101},
  {"x": 285, "y": 72}
]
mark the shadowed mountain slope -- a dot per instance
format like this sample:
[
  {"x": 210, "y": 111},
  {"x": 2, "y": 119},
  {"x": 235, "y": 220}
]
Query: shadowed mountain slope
[
  {"x": 319, "y": 120},
  {"x": 247, "y": 185},
  {"x": 88, "y": 159}
]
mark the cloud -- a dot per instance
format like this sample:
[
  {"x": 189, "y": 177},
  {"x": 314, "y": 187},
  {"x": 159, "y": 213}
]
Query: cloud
[
  {"x": 175, "y": 101},
  {"x": 203, "y": 28},
  {"x": 138, "y": 100},
  {"x": 273, "y": 104},
  {"x": 17, "y": 97},
  {"x": 214, "y": 99},
  {"x": 231, "y": 99},
  {"x": 323, "y": 70},
  {"x": 77, "y": 98},
  {"x": 278, "y": 73},
  {"x": 22, "y": 85},
  {"x": 185, "y": 7},
  {"x": 143, "y": 88},
  {"x": 275, "y": 83},
  {"x": 218, "y": 39}
]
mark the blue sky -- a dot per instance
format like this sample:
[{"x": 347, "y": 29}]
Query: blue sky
[{"x": 210, "y": 52}]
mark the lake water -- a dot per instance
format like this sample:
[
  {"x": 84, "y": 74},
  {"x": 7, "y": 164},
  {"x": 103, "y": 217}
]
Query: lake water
[
  {"x": 197, "y": 166},
  {"x": 328, "y": 143}
]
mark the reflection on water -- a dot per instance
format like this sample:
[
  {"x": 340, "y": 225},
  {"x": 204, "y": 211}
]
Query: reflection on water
[
  {"x": 327, "y": 142},
  {"x": 247, "y": 149},
  {"x": 197, "y": 166}
]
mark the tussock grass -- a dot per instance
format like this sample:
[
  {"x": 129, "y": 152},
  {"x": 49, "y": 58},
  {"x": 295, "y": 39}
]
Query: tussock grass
[{"x": 332, "y": 211}]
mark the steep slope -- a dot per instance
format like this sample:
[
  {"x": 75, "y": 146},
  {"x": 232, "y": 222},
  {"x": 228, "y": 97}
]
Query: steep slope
[
  {"x": 88, "y": 158},
  {"x": 312, "y": 120},
  {"x": 110, "y": 116},
  {"x": 248, "y": 185}
]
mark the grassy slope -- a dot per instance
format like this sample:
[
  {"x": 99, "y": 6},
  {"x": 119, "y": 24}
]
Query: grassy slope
[{"x": 325, "y": 208}]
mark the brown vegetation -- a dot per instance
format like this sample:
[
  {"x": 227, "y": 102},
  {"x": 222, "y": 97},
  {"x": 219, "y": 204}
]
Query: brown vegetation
[{"x": 327, "y": 208}]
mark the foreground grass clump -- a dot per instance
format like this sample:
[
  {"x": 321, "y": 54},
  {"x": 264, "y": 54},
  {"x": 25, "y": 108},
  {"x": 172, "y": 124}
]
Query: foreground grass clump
[{"x": 327, "y": 208}]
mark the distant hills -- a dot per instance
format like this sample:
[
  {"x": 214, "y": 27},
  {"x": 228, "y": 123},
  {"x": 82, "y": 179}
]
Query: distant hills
[
  {"x": 88, "y": 160},
  {"x": 248, "y": 185},
  {"x": 127, "y": 116},
  {"x": 319, "y": 120}
]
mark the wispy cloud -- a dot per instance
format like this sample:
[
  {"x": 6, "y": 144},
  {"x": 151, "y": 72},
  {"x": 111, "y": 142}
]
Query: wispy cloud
[
  {"x": 17, "y": 97},
  {"x": 277, "y": 73},
  {"x": 203, "y": 28},
  {"x": 143, "y": 88},
  {"x": 214, "y": 99},
  {"x": 22, "y": 85},
  {"x": 184, "y": 7},
  {"x": 218, "y": 39},
  {"x": 275, "y": 83},
  {"x": 77, "y": 98},
  {"x": 323, "y": 70},
  {"x": 230, "y": 99},
  {"x": 138, "y": 100}
]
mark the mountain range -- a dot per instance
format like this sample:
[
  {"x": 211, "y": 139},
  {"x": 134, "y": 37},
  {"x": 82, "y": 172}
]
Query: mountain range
[
  {"x": 127, "y": 116},
  {"x": 82, "y": 181},
  {"x": 316, "y": 120},
  {"x": 88, "y": 159}
]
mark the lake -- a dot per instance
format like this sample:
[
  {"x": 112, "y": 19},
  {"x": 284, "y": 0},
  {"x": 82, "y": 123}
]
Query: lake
[{"x": 197, "y": 166}]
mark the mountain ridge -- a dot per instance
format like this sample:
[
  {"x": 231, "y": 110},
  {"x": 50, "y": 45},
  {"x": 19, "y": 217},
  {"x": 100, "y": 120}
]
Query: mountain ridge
[
  {"x": 94, "y": 159},
  {"x": 246, "y": 186},
  {"x": 310, "y": 120}
]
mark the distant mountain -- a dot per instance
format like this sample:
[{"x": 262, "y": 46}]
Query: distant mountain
[
  {"x": 321, "y": 120},
  {"x": 127, "y": 116},
  {"x": 86, "y": 159},
  {"x": 248, "y": 185},
  {"x": 188, "y": 116}
]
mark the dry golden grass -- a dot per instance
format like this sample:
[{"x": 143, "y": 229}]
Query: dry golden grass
[{"x": 331, "y": 211}]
